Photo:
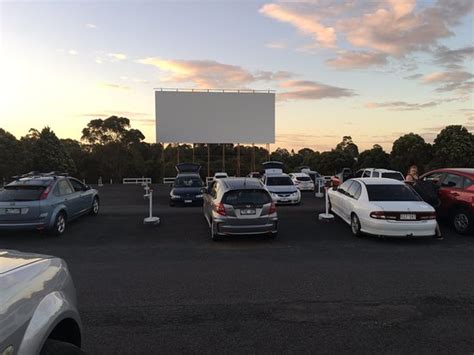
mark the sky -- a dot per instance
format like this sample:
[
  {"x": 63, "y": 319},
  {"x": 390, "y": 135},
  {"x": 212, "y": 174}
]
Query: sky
[{"x": 373, "y": 70}]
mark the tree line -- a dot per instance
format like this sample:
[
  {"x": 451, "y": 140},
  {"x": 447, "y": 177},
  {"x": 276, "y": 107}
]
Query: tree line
[{"x": 111, "y": 149}]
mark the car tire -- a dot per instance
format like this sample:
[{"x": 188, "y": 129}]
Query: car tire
[
  {"x": 60, "y": 224},
  {"x": 95, "y": 207},
  {"x": 214, "y": 236},
  {"x": 172, "y": 204},
  {"x": 53, "y": 347},
  {"x": 462, "y": 221},
  {"x": 355, "y": 225}
]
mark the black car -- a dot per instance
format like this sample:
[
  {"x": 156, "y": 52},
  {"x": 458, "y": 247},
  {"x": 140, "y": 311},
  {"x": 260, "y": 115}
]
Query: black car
[{"x": 188, "y": 186}]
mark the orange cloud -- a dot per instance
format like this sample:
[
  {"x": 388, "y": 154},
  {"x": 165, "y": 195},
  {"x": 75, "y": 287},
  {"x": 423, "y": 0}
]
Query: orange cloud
[{"x": 311, "y": 90}]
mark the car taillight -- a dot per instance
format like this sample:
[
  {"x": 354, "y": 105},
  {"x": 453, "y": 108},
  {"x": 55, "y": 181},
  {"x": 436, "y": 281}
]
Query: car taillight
[
  {"x": 45, "y": 193},
  {"x": 426, "y": 215},
  {"x": 273, "y": 208},
  {"x": 383, "y": 215},
  {"x": 220, "y": 209}
]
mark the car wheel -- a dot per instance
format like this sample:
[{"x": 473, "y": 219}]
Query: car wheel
[
  {"x": 462, "y": 221},
  {"x": 95, "y": 207},
  {"x": 52, "y": 346},
  {"x": 59, "y": 225},
  {"x": 214, "y": 235},
  {"x": 355, "y": 225},
  {"x": 172, "y": 204}
]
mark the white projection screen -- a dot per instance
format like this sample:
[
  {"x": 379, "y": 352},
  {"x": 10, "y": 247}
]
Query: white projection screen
[{"x": 215, "y": 117}]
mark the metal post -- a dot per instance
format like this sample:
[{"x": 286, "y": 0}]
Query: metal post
[
  {"x": 268, "y": 151},
  {"x": 319, "y": 193},
  {"x": 238, "y": 159},
  {"x": 150, "y": 219},
  {"x": 193, "y": 152},
  {"x": 326, "y": 216},
  {"x": 177, "y": 153},
  {"x": 208, "y": 160},
  {"x": 253, "y": 157},
  {"x": 223, "y": 157}
]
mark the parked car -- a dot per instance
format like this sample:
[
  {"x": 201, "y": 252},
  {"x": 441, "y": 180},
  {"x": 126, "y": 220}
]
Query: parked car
[
  {"x": 239, "y": 206},
  {"x": 187, "y": 188},
  {"x": 45, "y": 201},
  {"x": 383, "y": 207},
  {"x": 281, "y": 187},
  {"x": 220, "y": 175},
  {"x": 456, "y": 194},
  {"x": 38, "y": 312},
  {"x": 302, "y": 181},
  {"x": 314, "y": 175},
  {"x": 379, "y": 173}
]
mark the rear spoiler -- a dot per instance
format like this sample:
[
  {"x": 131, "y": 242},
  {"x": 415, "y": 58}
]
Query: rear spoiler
[{"x": 188, "y": 168}]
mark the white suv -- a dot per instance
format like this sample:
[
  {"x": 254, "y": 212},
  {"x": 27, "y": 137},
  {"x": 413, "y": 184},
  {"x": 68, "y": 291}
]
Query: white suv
[{"x": 379, "y": 173}]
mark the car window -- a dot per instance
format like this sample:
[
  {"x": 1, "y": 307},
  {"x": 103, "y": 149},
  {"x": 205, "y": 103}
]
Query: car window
[
  {"x": 452, "y": 180},
  {"x": 395, "y": 176},
  {"x": 391, "y": 193},
  {"x": 188, "y": 181},
  {"x": 354, "y": 190},
  {"x": 376, "y": 174},
  {"x": 303, "y": 178},
  {"x": 434, "y": 177},
  {"x": 279, "y": 181},
  {"x": 247, "y": 197},
  {"x": 64, "y": 188},
  {"x": 76, "y": 185},
  {"x": 358, "y": 174},
  {"x": 467, "y": 182},
  {"x": 366, "y": 174},
  {"x": 21, "y": 193},
  {"x": 345, "y": 186}
]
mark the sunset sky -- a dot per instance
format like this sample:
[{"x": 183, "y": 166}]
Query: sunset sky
[{"x": 370, "y": 69}]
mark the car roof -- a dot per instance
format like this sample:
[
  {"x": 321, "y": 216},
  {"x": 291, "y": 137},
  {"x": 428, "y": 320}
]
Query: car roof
[
  {"x": 468, "y": 171},
  {"x": 379, "y": 181},
  {"x": 300, "y": 174},
  {"x": 276, "y": 174},
  {"x": 241, "y": 183},
  {"x": 220, "y": 173},
  {"x": 382, "y": 170},
  {"x": 36, "y": 180}
]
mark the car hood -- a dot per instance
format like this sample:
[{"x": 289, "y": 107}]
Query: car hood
[
  {"x": 187, "y": 190},
  {"x": 282, "y": 188},
  {"x": 13, "y": 259},
  {"x": 403, "y": 206}
]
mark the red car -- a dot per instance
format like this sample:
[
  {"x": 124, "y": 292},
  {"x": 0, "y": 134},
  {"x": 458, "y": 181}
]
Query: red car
[{"x": 456, "y": 192}]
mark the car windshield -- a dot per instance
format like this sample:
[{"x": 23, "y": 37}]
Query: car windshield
[
  {"x": 220, "y": 176},
  {"x": 188, "y": 181},
  {"x": 21, "y": 193},
  {"x": 279, "y": 181},
  {"x": 246, "y": 197},
  {"x": 391, "y": 193},
  {"x": 303, "y": 178},
  {"x": 395, "y": 176}
]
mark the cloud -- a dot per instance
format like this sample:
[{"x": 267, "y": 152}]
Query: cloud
[
  {"x": 90, "y": 25},
  {"x": 453, "y": 58},
  {"x": 311, "y": 90},
  {"x": 276, "y": 45},
  {"x": 116, "y": 56},
  {"x": 209, "y": 73},
  {"x": 357, "y": 60},
  {"x": 73, "y": 52},
  {"x": 414, "y": 76},
  {"x": 376, "y": 30},
  {"x": 458, "y": 81},
  {"x": 115, "y": 86},
  {"x": 401, "y": 105},
  {"x": 325, "y": 36}
]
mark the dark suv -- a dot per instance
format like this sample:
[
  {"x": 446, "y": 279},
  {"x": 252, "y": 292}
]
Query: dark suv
[
  {"x": 456, "y": 192},
  {"x": 188, "y": 186}
]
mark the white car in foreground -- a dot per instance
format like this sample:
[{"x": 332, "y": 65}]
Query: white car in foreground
[
  {"x": 383, "y": 207},
  {"x": 302, "y": 181}
]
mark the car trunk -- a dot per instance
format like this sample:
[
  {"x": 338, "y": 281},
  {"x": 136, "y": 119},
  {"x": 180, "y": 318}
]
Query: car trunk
[
  {"x": 405, "y": 211},
  {"x": 247, "y": 205},
  {"x": 20, "y": 203}
]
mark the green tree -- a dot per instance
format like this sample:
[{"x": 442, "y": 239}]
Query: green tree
[
  {"x": 111, "y": 130},
  {"x": 453, "y": 147},
  {"x": 374, "y": 158},
  {"x": 347, "y": 145},
  {"x": 410, "y": 149},
  {"x": 11, "y": 156}
]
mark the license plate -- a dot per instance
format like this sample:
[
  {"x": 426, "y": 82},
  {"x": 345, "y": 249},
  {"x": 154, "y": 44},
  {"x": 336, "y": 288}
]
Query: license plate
[
  {"x": 12, "y": 211},
  {"x": 247, "y": 211},
  {"x": 188, "y": 201},
  {"x": 408, "y": 216}
]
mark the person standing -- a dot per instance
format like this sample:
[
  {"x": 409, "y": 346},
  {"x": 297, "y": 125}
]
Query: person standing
[{"x": 412, "y": 175}]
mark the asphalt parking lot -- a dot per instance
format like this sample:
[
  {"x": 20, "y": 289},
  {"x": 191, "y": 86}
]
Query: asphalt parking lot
[{"x": 316, "y": 288}]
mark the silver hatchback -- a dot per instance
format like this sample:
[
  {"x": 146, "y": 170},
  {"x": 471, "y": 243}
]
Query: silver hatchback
[{"x": 239, "y": 206}]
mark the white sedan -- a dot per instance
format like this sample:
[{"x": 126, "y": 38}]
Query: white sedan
[
  {"x": 302, "y": 181},
  {"x": 381, "y": 206}
]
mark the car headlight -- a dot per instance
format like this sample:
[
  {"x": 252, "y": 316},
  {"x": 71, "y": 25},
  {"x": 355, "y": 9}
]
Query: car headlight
[{"x": 199, "y": 196}]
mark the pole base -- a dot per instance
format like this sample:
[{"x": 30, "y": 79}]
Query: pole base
[
  {"x": 319, "y": 194},
  {"x": 151, "y": 220},
  {"x": 325, "y": 217}
]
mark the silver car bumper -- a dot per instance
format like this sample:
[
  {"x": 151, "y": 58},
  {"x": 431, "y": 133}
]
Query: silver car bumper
[{"x": 224, "y": 227}]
